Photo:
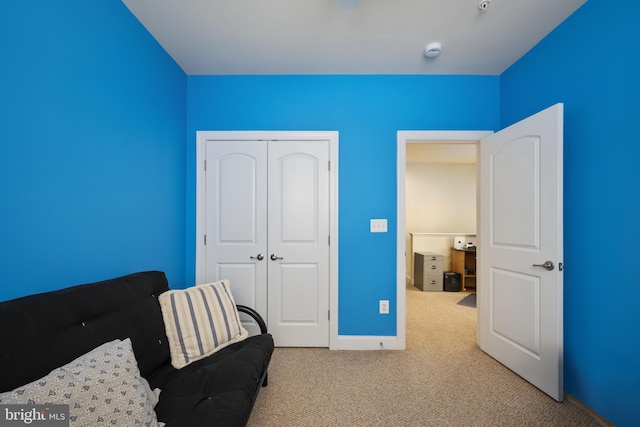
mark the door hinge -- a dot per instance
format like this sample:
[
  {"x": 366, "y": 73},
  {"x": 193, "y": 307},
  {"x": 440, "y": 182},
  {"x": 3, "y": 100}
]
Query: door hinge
[
  {"x": 329, "y": 240},
  {"x": 329, "y": 165},
  {"x": 328, "y": 314},
  {"x": 205, "y": 240},
  {"x": 205, "y": 165}
]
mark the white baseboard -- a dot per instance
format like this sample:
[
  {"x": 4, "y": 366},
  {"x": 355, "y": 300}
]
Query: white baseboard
[{"x": 353, "y": 342}]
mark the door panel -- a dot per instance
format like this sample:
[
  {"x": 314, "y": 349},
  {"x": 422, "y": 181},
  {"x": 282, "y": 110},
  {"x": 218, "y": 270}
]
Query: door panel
[
  {"x": 516, "y": 296},
  {"x": 298, "y": 206},
  {"x": 236, "y": 222},
  {"x": 515, "y": 177},
  {"x": 520, "y": 315},
  {"x": 298, "y": 299},
  {"x": 298, "y": 237}
]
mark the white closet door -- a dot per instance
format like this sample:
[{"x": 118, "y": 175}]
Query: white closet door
[
  {"x": 298, "y": 273},
  {"x": 236, "y": 221},
  {"x": 267, "y": 231}
]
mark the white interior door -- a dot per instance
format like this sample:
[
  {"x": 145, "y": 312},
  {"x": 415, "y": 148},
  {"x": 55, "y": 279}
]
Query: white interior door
[
  {"x": 298, "y": 273},
  {"x": 520, "y": 321},
  {"x": 236, "y": 221},
  {"x": 267, "y": 232}
]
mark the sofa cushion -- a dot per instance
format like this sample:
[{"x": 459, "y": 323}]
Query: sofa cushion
[
  {"x": 221, "y": 387},
  {"x": 102, "y": 386},
  {"x": 53, "y": 328},
  {"x": 199, "y": 321}
]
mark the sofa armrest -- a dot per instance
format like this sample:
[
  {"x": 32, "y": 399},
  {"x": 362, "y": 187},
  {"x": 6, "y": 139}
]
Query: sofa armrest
[{"x": 256, "y": 316}]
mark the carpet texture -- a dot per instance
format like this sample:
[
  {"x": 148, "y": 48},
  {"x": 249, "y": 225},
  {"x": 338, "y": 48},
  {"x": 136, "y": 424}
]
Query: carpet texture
[{"x": 441, "y": 379}]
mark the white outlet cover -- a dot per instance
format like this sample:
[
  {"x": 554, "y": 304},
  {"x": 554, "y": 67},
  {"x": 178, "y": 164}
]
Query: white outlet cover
[{"x": 384, "y": 306}]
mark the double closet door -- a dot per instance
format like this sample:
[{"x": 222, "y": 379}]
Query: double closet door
[{"x": 267, "y": 231}]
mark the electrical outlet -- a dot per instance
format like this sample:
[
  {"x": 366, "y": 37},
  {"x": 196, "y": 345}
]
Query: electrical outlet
[
  {"x": 384, "y": 306},
  {"x": 378, "y": 225}
]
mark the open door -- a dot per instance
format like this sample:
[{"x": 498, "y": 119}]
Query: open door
[{"x": 521, "y": 248}]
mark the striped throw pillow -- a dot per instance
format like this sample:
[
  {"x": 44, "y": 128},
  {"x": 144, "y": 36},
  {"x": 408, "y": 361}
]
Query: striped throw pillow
[{"x": 200, "y": 321}]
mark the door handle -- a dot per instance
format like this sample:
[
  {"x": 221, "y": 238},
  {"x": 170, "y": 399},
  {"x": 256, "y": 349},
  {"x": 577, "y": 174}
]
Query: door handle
[
  {"x": 275, "y": 258},
  {"x": 547, "y": 265},
  {"x": 259, "y": 257}
]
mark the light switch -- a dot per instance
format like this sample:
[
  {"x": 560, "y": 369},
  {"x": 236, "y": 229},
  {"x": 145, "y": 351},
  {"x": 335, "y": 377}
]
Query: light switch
[{"x": 378, "y": 225}]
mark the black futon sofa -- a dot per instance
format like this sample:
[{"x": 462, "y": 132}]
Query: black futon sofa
[{"x": 39, "y": 333}]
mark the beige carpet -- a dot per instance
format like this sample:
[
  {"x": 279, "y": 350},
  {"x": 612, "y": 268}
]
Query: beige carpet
[{"x": 442, "y": 379}]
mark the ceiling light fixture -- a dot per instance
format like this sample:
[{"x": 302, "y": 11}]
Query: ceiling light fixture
[{"x": 433, "y": 49}]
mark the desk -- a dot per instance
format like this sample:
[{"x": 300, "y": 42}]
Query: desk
[{"x": 464, "y": 262}]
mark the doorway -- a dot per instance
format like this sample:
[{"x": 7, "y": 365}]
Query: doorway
[
  {"x": 422, "y": 137},
  {"x": 519, "y": 313},
  {"x": 441, "y": 188}
]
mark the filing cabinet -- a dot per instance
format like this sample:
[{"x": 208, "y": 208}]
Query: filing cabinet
[{"x": 428, "y": 271}]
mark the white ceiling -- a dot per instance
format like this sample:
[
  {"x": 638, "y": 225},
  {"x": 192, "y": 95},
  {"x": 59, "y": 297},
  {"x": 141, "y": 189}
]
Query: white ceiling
[{"x": 213, "y": 37}]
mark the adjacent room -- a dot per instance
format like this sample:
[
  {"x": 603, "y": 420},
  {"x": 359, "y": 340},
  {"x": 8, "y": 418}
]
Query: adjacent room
[{"x": 441, "y": 210}]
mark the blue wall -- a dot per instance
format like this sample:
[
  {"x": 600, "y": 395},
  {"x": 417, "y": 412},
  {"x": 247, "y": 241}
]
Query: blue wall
[
  {"x": 92, "y": 129},
  {"x": 95, "y": 170},
  {"x": 367, "y": 111},
  {"x": 589, "y": 63}
]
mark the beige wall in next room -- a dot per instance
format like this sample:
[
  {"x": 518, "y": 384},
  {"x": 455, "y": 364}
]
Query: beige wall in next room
[{"x": 441, "y": 198}]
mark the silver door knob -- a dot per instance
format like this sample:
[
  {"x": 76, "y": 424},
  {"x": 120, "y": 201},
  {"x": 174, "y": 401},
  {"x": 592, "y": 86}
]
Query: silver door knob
[
  {"x": 547, "y": 265},
  {"x": 259, "y": 257},
  {"x": 275, "y": 258}
]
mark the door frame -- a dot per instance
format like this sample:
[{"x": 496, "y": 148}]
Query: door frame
[
  {"x": 332, "y": 136},
  {"x": 426, "y": 137}
]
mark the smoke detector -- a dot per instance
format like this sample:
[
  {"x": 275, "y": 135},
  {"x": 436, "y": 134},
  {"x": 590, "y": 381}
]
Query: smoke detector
[
  {"x": 433, "y": 49},
  {"x": 484, "y": 5}
]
